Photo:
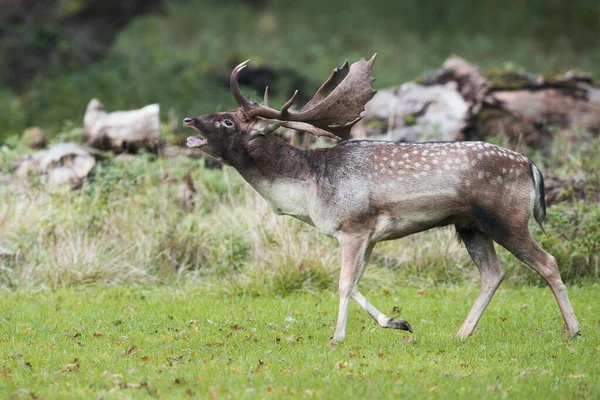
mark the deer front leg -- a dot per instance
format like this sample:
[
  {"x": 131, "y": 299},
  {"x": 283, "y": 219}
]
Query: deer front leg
[{"x": 356, "y": 250}]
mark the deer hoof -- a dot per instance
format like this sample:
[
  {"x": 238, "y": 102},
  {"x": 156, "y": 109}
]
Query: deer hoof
[{"x": 399, "y": 324}]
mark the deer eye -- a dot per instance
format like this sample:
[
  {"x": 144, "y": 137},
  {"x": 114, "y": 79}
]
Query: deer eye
[{"x": 228, "y": 123}]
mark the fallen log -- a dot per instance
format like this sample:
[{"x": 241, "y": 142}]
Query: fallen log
[
  {"x": 122, "y": 131},
  {"x": 462, "y": 102},
  {"x": 62, "y": 164}
]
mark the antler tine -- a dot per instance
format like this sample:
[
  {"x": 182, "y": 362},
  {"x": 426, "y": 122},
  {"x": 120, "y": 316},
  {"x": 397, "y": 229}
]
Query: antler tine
[
  {"x": 235, "y": 86},
  {"x": 289, "y": 103},
  {"x": 266, "y": 97},
  {"x": 252, "y": 109},
  {"x": 372, "y": 60},
  {"x": 313, "y": 130},
  {"x": 272, "y": 127}
]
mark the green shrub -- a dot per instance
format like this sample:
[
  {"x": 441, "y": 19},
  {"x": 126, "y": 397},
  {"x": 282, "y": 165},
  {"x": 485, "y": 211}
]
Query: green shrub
[
  {"x": 12, "y": 115},
  {"x": 574, "y": 239}
]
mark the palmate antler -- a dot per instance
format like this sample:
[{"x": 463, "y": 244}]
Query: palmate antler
[{"x": 332, "y": 111}]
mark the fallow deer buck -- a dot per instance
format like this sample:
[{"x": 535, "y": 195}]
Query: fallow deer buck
[{"x": 363, "y": 192}]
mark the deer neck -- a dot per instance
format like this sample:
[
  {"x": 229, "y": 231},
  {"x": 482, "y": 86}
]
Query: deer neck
[{"x": 281, "y": 173}]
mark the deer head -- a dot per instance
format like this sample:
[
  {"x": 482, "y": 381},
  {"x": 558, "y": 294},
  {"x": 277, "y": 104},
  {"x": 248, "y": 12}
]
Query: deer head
[{"x": 331, "y": 112}]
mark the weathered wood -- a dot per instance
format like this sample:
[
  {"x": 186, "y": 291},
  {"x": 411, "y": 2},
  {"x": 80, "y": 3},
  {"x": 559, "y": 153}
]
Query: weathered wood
[
  {"x": 62, "y": 164},
  {"x": 122, "y": 131},
  {"x": 530, "y": 108},
  {"x": 459, "y": 101},
  {"x": 414, "y": 112}
]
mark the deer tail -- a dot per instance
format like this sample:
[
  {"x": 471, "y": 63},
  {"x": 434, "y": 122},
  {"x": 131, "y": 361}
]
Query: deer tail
[{"x": 539, "y": 202}]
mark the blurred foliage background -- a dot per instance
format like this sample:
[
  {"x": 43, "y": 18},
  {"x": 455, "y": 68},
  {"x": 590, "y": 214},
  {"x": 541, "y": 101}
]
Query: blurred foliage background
[{"x": 57, "y": 54}]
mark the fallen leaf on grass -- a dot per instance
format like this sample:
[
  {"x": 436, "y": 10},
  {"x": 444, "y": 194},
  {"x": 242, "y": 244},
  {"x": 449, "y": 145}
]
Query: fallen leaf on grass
[
  {"x": 71, "y": 367},
  {"x": 5, "y": 373},
  {"x": 132, "y": 385},
  {"x": 260, "y": 364},
  {"x": 173, "y": 359},
  {"x": 312, "y": 393}
]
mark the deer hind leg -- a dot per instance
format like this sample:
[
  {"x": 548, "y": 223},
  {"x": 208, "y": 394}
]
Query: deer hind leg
[
  {"x": 481, "y": 249},
  {"x": 527, "y": 250},
  {"x": 355, "y": 255}
]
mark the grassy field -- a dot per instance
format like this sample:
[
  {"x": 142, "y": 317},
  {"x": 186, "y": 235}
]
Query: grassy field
[
  {"x": 179, "y": 342},
  {"x": 115, "y": 291}
]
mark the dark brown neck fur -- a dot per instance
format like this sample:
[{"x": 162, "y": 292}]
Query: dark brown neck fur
[{"x": 270, "y": 157}]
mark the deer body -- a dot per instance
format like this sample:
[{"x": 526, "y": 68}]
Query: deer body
[
  {"x": 364, "y": 192},
  {"x": 389, "y": 189}
]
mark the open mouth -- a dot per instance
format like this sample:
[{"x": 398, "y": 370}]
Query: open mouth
[{"x": 193, "y": 141}]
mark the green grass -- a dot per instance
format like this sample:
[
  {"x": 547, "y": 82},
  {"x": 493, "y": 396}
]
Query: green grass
[{"x": 175, "y": 342}]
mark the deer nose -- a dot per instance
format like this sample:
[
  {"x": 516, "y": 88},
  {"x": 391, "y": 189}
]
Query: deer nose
[{"x": 187, "y": 121}]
